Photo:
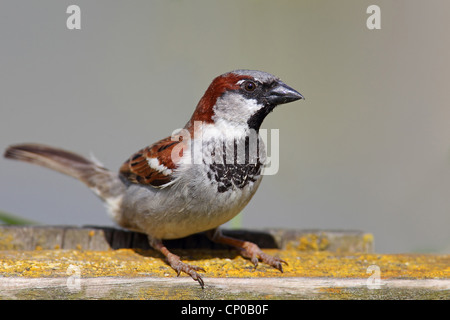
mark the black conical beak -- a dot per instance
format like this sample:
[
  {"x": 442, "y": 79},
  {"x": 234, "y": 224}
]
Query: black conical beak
[{"x": 282, "y": 93}]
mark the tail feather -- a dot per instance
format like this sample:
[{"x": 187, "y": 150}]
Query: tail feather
[
  {"x": 103, "y": 182},
  {"x": 60, "y": 160}
]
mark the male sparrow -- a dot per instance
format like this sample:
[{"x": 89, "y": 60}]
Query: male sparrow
[{"x": 192, "y": 181}]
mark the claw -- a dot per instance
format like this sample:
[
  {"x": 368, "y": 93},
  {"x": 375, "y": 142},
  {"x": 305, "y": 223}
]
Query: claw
[
  {"x": 200, "y": 281},
  {"x": 191, "y": 270},
  {"x": 255, "y": 261},
  {"x": 272, "y": 261}
]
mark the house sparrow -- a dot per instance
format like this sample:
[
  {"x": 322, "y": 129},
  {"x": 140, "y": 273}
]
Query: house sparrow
[{"x": 192, "y": 181}]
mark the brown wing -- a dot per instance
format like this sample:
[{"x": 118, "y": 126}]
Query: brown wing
[{"x": 152, "y": 165}]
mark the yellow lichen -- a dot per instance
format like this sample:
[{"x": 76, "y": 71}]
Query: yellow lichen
[
  {"x": 324, "y": 243},
  {"x": 135, "y": 263}
]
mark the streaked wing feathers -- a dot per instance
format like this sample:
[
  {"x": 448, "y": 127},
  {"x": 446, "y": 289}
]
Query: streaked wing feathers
[{"x": 152, "y": 165}]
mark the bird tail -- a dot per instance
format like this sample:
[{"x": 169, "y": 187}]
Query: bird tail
[{"x": 106, "y": 184}]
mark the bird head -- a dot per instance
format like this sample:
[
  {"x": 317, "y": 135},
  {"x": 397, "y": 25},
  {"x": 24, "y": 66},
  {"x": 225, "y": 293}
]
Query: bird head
[{"x": 242, "y": 99}]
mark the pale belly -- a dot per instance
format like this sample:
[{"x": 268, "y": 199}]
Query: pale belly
[{"x": 182, "y": 209}]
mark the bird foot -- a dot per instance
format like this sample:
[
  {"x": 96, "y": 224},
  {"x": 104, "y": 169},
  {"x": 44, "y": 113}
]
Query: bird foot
[
  {"x": 248, "y": 249},
  {"x": 254, "y": 253},
  {"x": 180, "y": 266}
]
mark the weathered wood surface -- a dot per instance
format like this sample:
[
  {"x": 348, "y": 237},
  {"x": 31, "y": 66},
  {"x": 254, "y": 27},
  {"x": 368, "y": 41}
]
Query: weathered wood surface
[
  {"x": 222, "y": 288},
  {"x": 65, "y": 262},
  {"x": 106, "y": 238}
]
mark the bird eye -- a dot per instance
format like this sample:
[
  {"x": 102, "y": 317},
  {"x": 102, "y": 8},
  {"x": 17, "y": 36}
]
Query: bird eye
[{"x": 249, "y": 86}]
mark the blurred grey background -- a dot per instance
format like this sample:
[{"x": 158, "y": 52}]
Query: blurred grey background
[{"x": 369, "y": 149}]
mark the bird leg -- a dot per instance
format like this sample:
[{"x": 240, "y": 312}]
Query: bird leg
[
  {"x": 247, "y": 249},
  {"x": 176, "y": 263}
]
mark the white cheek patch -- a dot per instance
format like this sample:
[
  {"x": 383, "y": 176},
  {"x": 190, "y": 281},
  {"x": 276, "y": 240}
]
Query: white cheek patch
[
  {"x": 234, "y": 107},
  {"x": 252, "y": 106},
  {"x": 154, "y": 164}
]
